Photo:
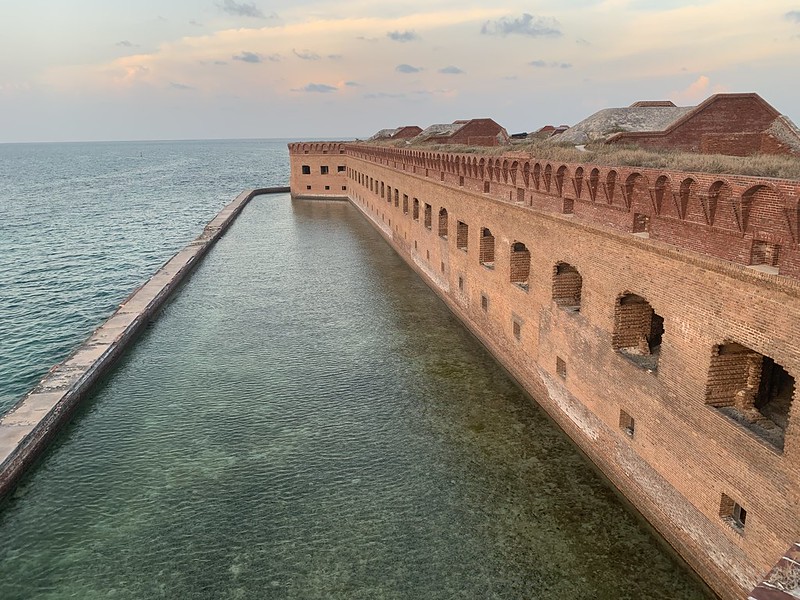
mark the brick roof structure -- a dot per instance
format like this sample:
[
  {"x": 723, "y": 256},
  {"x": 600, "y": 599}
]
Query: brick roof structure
[{"x": 732, "y": 124}]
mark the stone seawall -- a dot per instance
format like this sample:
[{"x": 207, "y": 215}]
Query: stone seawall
[{"x": 27, "y": 429}]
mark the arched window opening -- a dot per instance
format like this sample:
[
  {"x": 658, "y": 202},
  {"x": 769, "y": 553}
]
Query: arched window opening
[
  {"x": 752, "y": 389},
  {"x": 443, "y": 223},
  {"x": 520, "y": 265},
  {"x": 567, "y": 286},
  {"x": 486, "y": 251},
  {"x": 405, "y": 204},
  {"x": 415, "y": 213},
  {"x": 462, "y": 236},
  {"x": 428, "y": 216},
  {"x": 638, "y": 331}
]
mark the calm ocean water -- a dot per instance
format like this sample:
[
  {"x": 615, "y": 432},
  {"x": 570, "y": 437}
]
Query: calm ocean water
[
  {"x": 305, "y": 419},
  {"x": 83, "y": 224}
]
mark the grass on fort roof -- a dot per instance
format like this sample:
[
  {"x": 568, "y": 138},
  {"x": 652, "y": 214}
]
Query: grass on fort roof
[{"x": 760, "y": 165}]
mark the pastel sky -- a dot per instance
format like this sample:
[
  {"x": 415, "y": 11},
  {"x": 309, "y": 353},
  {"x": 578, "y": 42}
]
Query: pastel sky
[{"x": 186, "y": 69}]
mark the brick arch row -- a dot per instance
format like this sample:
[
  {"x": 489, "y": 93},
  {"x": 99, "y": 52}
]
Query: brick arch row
[
  {"x": 726, "y": 203},
  {"x": 316, "y": 147}
]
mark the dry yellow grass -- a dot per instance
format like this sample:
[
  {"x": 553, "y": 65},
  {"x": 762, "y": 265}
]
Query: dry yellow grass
[{"x": 760, "y": 165}]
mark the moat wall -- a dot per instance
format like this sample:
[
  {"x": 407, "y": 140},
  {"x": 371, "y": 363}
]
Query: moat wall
[
  {"x": 648, "y": 424},
  {"x": 28, "y": 428}
]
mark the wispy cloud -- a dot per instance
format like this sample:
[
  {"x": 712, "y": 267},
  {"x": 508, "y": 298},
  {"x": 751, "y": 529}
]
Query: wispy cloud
[
  {"x": 404, "y": 68},
  {"x": 179, "y": 86},
  {"x": 305, "y": 54},
  {"x": 528, "y": 25},
  {"x": 335, "y": 56},
  {"x": 793, "y": 16},
  {"x": 275, "y": 57},
  {"x": 195, "y": 23},
  {"x": 242, "y": 9},
  {"x": 402, "y": 36},
  {"x": 352, "y": 83},
  {"x": 380, "y": 95},
  {"x": 451, "y": 70},
  {"x": 248, "y": 57},
  {"x": 543, "y": 64},
  {"x": 318, "y": 88},
  {"x": 126, "y": 44}
]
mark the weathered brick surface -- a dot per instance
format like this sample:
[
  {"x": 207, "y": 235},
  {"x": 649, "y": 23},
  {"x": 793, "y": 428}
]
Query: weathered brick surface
[
  {"x": 733, "y": 124},
  {"x": 685, "y": 455}
]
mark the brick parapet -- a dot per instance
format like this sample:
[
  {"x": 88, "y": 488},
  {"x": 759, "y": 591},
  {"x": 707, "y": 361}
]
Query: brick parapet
[{"x": 724, "y": 216}]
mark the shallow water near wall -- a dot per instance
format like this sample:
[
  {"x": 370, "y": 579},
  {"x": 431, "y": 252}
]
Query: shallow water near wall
[{"x": 306, "y": 419}]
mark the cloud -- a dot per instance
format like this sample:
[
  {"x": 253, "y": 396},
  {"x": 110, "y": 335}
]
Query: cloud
[
  {"x": 275, "y": 57},
  {"x": 195, "y": 23},
  {"x": 543, "y": 64},
  {"x": 248, "y": 57},
  {"x": 352, "y": 83},
  {"x": 404, "y": 68},
  {"x": 242, "y": 9},
  {"x": 451, "y": 70},
  {"x": 380, "y": 95},
  {"x": 306, "y": 54},
  {"x": 220, "y": 62},
  {"x": 793, "y": 16},
  {"x": 126, "y": 44},
  {"x": 179, "y": 86},
  {"x": 696, "y": 91},
  {"x": 366, "y": 39},
  {"x": 583, "y": 42},
  {"x": 335, "y": 56},
  {"x": 402, "y": 36},
  {"x": 527, "y": 24},
  {"x": 317, "y": 88}
]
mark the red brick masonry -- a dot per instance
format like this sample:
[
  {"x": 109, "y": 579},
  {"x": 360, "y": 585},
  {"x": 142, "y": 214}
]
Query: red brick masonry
[{"x": 654, "y": 314}]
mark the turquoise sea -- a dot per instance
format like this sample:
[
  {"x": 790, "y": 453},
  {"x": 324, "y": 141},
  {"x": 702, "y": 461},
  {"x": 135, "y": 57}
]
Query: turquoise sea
[{"x": 305, "y": 419}]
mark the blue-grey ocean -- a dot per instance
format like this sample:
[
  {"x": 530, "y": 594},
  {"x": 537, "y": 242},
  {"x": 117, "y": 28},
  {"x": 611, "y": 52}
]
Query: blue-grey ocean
[
  {"x": 83, "y": 224},
  {"x": 304, "y": 420}
]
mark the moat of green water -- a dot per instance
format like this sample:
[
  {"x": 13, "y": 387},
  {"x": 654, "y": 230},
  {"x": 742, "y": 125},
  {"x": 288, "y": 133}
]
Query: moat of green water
[{"x": 306, "y": 419}]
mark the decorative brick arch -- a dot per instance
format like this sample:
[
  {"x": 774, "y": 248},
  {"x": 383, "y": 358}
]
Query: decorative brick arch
[
  {"x": 562, "y": 175},
  {"x": 497, "y": 170},
  {"x": 594, "y": 183},
  {"x": 762, "y": 208},
  {"x": 526, "y": 174},
  {"x": 514, "y": 170},
  {"x": 662, "y": 196},
  {"x": 537, "y": 175},
  {"x": 482, "y": 169},
  {"x": 720, "y": 207},
  {"x": 610, "y": 186},
  {"x": 548, "y": 177},
  {"x": 637, "y": 194},
  {"x": 577, "y": 182}
]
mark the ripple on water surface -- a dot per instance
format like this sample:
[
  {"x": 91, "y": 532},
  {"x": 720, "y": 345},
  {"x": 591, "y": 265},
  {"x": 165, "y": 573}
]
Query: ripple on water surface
[
  {"x": 83, "y": 224},
  {"x": 307, "y": 420}
]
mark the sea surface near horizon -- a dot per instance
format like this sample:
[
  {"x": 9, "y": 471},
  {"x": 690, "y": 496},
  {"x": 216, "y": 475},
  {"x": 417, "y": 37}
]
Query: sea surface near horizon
[
  {"x": 83, "y": 224},
  {"x": 306, "y": 419}
]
